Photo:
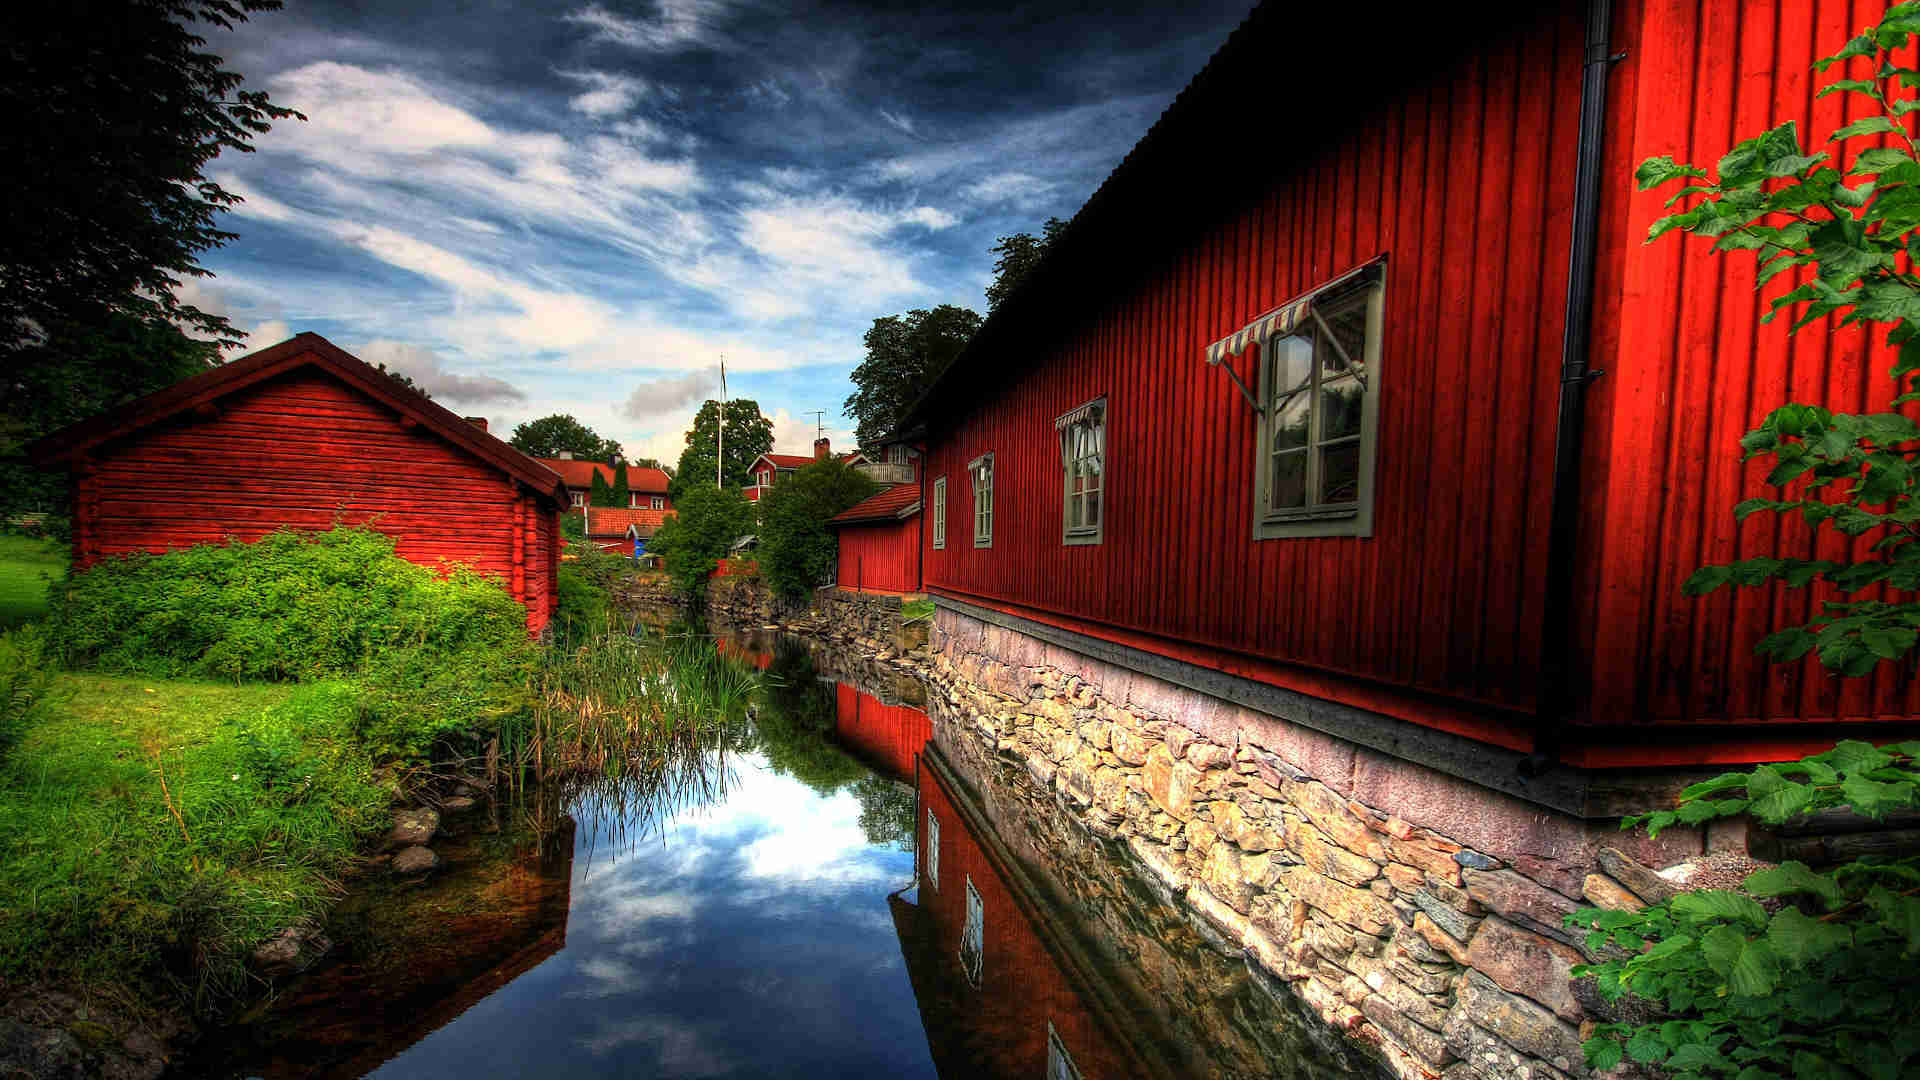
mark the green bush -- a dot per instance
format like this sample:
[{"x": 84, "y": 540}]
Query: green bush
[
  {"x": 413, "y": 700},
  {"x": 705, "y": 524},
  {"x": 1819, "y": 984},
  {"x": 293, "y": 606},
  {"x": 797, "y": 550}
]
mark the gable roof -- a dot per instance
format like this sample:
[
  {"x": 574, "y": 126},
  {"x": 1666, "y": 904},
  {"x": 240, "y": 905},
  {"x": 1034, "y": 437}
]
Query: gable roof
[
  {"x": 612, "y": 521},
  {"x": 785, "y": 461},
  {"x": 578, "y": 473},
  {"x": 897, "y": 503},
  {"x": 306, "y": 349}
]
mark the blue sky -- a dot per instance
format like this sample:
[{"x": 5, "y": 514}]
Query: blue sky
[{"x": 579, "y": 207}]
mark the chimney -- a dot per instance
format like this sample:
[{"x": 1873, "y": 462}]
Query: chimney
[
  {"x": 566, "y": 455},
  {"x": 822, "y": 449},
  {"x": 477, "y": 421}
]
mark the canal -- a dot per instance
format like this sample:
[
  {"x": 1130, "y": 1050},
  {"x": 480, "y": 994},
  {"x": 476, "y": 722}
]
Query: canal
[{"x": 836, "y": 890}]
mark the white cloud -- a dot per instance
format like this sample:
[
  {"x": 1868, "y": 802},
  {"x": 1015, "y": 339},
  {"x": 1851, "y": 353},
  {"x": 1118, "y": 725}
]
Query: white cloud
[
  {"x": 659, "y": 395},
  {"x": 676, "y": 24},
  {"x": 1015, "y": 187},
  {"x": 899, "y": 120},
  {"x": 253, "y": 204},
  {"x": 607, "y": 93},
  {"x": 429, "y": 372}
]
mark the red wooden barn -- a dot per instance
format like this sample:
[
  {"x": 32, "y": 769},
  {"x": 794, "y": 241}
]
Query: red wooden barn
[
  {"x": 303, "y": 435},
  {"x": 880, "y": 542},
  {"x": 1277, "y": 417},
  {"x": 622, "y": 532},
  {"x": 646, "y": 487}
]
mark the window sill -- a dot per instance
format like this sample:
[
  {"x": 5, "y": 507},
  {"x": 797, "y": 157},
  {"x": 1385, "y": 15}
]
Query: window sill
[
  {"x": 1341, "y": 521},
  {"x": 979, "y": 543},
  {"x": 1085, "y": 539}
]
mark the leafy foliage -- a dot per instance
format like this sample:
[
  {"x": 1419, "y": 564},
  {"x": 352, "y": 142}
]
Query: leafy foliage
[
  {"x": 26, "y": 685},
  {"x": 705, "y": 524},
  {"x": 547, "y": 436},
  {"x": 293, "y": 606},
  {"x": 1819, "y": 982},
  {"x": 1840, "y": 225},
  {"x": 1017, "y": 256},
  {"x": 600, "y": 493},
  {"x": 905, "y": 353},
  {"x": 797, "y": 549},
  {"x": 749, "y": 435},
  {"x": 622, "y": 494}
]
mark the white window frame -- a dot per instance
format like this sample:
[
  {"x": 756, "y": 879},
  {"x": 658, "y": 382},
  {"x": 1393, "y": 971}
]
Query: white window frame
[
  {"x": 979, "y": 467},
  {"x": 940, "y": 513},
  {"x": 973, "y": 936},
  {"x": 766, "y": 477},
  {"x": 1060, "y": 1064},
  {"x": 1317, "y": 518},
  {"x": 1094, "y": 420},
  {"x": 579, "y": 498},
  {"x": 933, "y": 850},
  {"x": 659, "y": 502}
]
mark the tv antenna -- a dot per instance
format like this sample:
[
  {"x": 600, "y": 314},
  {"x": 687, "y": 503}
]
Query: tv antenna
[{"x": 819, "y": 425}]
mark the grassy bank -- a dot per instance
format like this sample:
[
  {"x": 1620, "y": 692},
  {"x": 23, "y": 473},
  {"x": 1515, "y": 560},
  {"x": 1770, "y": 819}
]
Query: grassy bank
[
  {"x": 154, "y": 831},
  {"x": 26, "y": 565}
]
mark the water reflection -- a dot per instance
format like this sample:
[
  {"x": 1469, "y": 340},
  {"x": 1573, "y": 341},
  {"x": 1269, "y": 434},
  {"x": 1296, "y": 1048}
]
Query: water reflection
[{"x": 833, "y": 890}]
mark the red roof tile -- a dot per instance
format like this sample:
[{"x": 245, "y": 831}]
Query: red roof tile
[
  {"x": 897, "y": 503},
  {"x": 578, "y": 473},
  {"x": 610, "y": 521}
]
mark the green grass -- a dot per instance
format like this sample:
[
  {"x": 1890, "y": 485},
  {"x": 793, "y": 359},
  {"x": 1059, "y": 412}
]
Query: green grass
[
  {"x": 152, "y": 832},
  {"x": 25, "y": 565},
  {"x": 916, "y": 609}
]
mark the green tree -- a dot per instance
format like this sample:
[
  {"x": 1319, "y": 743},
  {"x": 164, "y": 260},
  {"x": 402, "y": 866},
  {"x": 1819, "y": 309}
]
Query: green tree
[
  {"x": 796, "y": 548},
  {"x": 547, "y": 436},
  {"x": 749, "y": 435},
  {"x": 705, "y": 523},
  {"x": 598, "y": 492},
  {"x": 622, "y": 494},
  {"x": 112, "y": 119},
  {"x": 654, "y": 463},
  {"x": 794, "y": 724},
  {"x": 905, "y": 353},
  {"x": 1018, "y": 255}
]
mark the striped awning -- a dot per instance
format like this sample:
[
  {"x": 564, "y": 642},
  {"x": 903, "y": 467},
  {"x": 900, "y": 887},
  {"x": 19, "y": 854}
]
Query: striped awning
[
  {"x": 1286, "y": 318},
  {"x": 1085, "y": 412}
]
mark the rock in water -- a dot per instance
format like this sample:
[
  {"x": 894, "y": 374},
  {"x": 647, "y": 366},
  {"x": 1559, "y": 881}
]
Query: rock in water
[
  {"x": 293, "y": 950},
  {"x": 415, "y": 860},
  {"x": 412, "y": 828},
  {"x": 458, "y": 804}
]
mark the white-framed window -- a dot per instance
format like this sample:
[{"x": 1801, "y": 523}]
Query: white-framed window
[
  {"x": 897, "y": 453},
  {"x": 933, "y": 851},
  {"x": 766, "y": 477},
  {"x": 973, "y": 937},
  {"x": 940, "y": 514},
  {"x": 1083, "y": 447},
  {"x": 981, "y": 469},
  {"x": 1060, "y": 1064},
  {"x": 1319, "y": 387},
  {"x": 659, "y": 502},
  {"x": 579, "y": 497}
]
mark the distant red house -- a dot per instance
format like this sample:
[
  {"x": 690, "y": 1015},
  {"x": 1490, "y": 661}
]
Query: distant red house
[
  {"x": 880, "y": 542},
  {"x": 646, "y": 487},
  {"x": 769, "y": 468},
  {"x": 623, "y": 532},
  {"x": 303, "y": 435}
]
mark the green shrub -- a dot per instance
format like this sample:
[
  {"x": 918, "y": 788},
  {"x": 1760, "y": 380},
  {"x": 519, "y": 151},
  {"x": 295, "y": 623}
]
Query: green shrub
[
  {"x": 705, "y": 524},
  {"x": 797, "y": 550},
  {"x": 416, "y": 699},
  {"x": 292, "y": 606}
]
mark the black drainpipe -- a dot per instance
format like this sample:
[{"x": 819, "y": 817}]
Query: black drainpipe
[{"x": 1557, "y": 664}]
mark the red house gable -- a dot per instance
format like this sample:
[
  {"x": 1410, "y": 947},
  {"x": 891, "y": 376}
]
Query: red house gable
[
  {"x": 644, "y": 484},
  {"x": 303, "y": 435}
]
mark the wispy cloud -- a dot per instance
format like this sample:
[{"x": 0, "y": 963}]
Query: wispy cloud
[
  {"x": 661, "y": 395},
  {"x": 898, "y": 120},
  {"x": 675, "y": 24},
  {"x": 606, "y": 94},
  {"x": 426, "y": 368}
]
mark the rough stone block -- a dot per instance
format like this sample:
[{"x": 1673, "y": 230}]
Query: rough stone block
[
  {"x": 1355, "y": 907},
  {"x": 1638, "y": 878},
  {"x": 1323, "y": 855},
  {"x": 1523, "y": 1025},
  {"x": 1131, "y": 746},
  {"x": 1430, "y": 853},
  {"x": 1404, "y": 878},
  {"x": 1428, "y": 1045},
  {"x": 1226, "y": 878},
  {"x": 1445, "y": 915},
  {"x": 1440, "y": 939},
  {"x": 1526, "y": 963},
  {"x": 1510, "y": 894},
  {"x": 1206, "y": 755},
  {"x": 1330, "y": 813},
  {"x": 1603, "y": 891}
]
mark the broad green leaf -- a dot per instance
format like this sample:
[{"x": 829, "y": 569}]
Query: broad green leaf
[
  {"x": 1871, "y": 125},
  {"x": 1646, "y": 1047},
  {"x": 1902, "y": 914},
  {"x": 1855, "y": 756},
  {"x": 1602, "y": 1052},
  {"x": 1794, "y": 798},
  {"x": 1871, "y": 798},
  {"x": 1791, "y": 878},
  {"x": 1719, "y": 904},
  {"x": 1800, "y": 940}
]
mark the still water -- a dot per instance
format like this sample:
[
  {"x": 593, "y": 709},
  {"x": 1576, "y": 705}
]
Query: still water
[{"x": 836, "y": 893}]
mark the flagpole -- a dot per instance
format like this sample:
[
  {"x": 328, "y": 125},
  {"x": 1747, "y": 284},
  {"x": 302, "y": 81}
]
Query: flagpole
[{"x": 720, "y": 449}]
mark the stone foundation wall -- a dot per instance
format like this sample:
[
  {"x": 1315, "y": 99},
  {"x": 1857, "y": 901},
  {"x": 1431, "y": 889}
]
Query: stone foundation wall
[{"x": 1417, "y": 913}]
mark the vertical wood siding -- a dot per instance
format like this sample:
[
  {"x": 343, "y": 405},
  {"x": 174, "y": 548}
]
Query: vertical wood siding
[
  {"x": 886, "y": 737},
  {"x": 304, "y": 451},
  {"x": 1463, "y": 182},
  {"x": 1693, "y": 370},
  {"x": 881, "y": 556}
]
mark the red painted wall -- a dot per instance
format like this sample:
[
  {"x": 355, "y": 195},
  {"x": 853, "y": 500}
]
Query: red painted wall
[
  {"x": 1003, "y": 1023},
  {"x": 305, "y": 451},
  {"x": 885, "y": 736},
  {"x": 880, "y": 556},
  {"x": 1463, "y": 180}
]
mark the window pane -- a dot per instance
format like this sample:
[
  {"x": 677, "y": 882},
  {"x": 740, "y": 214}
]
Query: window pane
[
  {"x": 1292, "y": 363},
  {"x": 1340, "y": 472},
  {"x": 1289, "y": 479},
  {"x": 1073, "y": 510},
  {"x": 1340, "y": 408},
  {"x": 1093, "y": 510},
  {"x": 1349, "y": 325},
  {"x": 1290, "y": 422}
]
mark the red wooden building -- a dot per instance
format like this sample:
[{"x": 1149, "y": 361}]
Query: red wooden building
[
  {"x": 303, "y": 435},
  {"x": 622, "y": 532},
  {"x": 768, "y": 468},
  {"x": 1277, "y": 417},
  {"x": 880, "y": 542},
  {"x": 646, "y": 487}
]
